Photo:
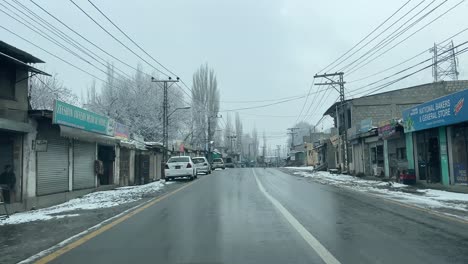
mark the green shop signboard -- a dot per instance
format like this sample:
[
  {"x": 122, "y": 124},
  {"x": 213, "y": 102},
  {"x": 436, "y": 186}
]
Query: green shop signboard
[{"x": 72, "y": 116}]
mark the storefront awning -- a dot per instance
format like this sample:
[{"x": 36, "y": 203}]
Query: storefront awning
[
  {"x": 86, "y": 136},
  {"x": 10, "y": 125}
]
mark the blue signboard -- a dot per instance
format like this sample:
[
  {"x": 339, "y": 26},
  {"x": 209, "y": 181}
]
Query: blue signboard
[
  {"x": 366, "y": 125},
  {"x": 442, "y": 111}
]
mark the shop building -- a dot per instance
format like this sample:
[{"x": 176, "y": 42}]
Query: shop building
[
  {"x": 73, "y": 153},
  {"x": 436, "y": 139},
  {"x": 15, "y": 126},
  {"x": 366, "y": 153}
]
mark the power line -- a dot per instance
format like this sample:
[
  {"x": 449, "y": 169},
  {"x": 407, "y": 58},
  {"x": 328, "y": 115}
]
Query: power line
[
  {"x": 311, "y": 104},
  {"x": 261, "y": 106},
  {"x": 96, "y": 46},
  {"x": 121, "y": 31},
  {"x": 417, "y": 55},
  {"x": 412, "y": 34},
  {"x": 50, "y": 38},
  {"x": 329, "y": 90},
  {"x": 54, "y": 30},
  {"x": 381, "y": 33},
  {"x": 305, "y": 102},
  {"x": 262, "y": 101},
  {"x": 406, "y": 69},
  {"x": 136, "y": 44},
  {"x": 389, "y": 38},
  {"x": 123, "y": 44},
  {"x": 55, "y": 56},
  {"x": 273, "y": 116},
  {"x": 380, "y": 87},
  {"x": 368, "y": 35},
  {"x": 88, "y": 41}
]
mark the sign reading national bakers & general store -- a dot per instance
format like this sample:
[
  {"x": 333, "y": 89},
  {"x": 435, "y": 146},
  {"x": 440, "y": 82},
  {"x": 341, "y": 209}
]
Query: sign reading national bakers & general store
[
  {"x": 442, "y": 111},
  {"x": 72, "y": 116}
]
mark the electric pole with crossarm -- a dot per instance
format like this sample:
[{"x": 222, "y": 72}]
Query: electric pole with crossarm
[
  {"x": 341, "y": 114},
  {"x": 165, "y": 110}
]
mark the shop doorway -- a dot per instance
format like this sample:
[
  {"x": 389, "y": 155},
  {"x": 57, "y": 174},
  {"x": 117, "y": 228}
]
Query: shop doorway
[
  {"x": 460, "y": 153},
  {"x": 376, "y": 159},
  {"x": 428, "y": 155},
  {"x": 6, "y": 165},
  {"x": 106, "y": 154}
]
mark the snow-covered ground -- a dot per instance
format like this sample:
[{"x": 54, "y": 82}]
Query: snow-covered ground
[
  {"x": 95, "y": 200},
  {"x": 309, "y": 168},
  {"x": 454, "y": 204}
]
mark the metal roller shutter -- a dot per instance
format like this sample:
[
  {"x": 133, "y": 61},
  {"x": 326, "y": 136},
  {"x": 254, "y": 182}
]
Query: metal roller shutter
[
  {"x": 52, "y": 167},
  {"x": 84, "y": 154},
  {"x": 124, "y": 166},
  {"x": 6, "y": 151}
]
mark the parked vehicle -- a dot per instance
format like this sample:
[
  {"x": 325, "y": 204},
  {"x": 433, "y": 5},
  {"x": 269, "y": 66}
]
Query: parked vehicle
[
  {"x": 218, "y": 163},
  {"x": 229, "y": 163},
  {"x": 180, "y": 167},
  {"x": 202, "y": 165}
]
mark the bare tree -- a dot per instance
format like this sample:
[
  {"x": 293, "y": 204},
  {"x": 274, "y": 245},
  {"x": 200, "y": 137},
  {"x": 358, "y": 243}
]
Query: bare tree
[
  {"x": 205, "y": 104},
  {"x": 255, "y": 142},
  {"x": 228, "y": 133},
  {"x": 239, "y": 133},
  {"x": 44, "y": 90},
  {"x": 137, "y": 103}
]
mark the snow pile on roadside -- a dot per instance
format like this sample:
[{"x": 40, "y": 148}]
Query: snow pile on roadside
[
  {"x": 308, "y": 168},
  {"x": 346, "y": 180},
  {"x": 425, "y": 198},
  {"x": 95, "y": 200}
]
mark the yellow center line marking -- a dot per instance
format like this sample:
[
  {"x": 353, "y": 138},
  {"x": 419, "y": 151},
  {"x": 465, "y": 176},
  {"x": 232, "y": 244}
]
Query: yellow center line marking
[{"x": 106, "y": 227}]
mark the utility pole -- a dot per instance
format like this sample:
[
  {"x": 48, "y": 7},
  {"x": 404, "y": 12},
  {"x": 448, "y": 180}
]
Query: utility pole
[
  {"x": 264, "y": 153},
  {"x": 231, "y": 138},
  {"x": 209, "y": 134},
  {"x": 165, "y": 110},
  {"x": 278, "y": 155},
  {"x": 292, "y": 133},
  {"x": 331, "y": 77}
]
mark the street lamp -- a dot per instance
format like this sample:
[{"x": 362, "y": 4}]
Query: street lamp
[{"x": 178, "y": 108}]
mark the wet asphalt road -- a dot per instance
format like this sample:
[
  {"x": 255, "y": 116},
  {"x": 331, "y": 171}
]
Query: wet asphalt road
[{"x": 225, "y": 218}]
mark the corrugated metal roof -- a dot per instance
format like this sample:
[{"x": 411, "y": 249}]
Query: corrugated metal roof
[
  {"x": 20, "y": 64},
  {"x": 18, "y": 54}
]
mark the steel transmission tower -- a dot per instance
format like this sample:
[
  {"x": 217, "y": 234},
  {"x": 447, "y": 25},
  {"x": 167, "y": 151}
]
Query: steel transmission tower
[{"x": 445, "y": 62}]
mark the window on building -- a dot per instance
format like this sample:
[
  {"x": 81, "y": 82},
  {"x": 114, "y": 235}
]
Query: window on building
[
  {"x": 350, "y": 154},
  {"x": 401, "y": 153},
  {"x": 380, "y": 156},
  {"x": 373, "y": 155},
  {"x": 7, "y": 81},
  {"x": 348, "y": 116}
]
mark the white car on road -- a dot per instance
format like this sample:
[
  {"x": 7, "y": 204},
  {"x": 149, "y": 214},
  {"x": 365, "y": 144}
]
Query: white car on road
[
  {"x": 180, "y": 167},
  {"x": 202, "y": 165}
]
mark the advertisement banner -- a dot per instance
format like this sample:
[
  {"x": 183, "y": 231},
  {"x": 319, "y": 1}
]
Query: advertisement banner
[
  {"x": 460, "y": 173},
  {"x": 121, "y": 131},
  {"x": 442, "y": 111},
  {"x": 387, "y": 128},
  {"x": 72, "y": 116},
  {"x": 334, "y": 140}
]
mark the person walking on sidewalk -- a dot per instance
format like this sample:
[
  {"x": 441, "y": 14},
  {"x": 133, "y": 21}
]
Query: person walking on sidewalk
[{"x": 7, "y": 182}]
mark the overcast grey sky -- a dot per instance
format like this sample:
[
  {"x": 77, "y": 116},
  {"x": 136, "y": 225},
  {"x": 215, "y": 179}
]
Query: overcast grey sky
[{"x": 260, "y": 50}]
